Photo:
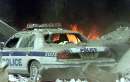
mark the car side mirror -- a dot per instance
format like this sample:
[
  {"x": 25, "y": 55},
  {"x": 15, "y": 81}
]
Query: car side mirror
[{"x": 1, "y": 45}]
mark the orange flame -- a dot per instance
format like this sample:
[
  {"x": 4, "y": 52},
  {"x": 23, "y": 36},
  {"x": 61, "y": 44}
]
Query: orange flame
[
  {"x": 74, "y": 28},
  {"x": 93, "y": 34}
]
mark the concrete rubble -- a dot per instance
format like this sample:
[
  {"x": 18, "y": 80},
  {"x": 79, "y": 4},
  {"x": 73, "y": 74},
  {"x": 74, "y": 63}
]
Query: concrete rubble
[
  {"x": 96, "y": 74},
  {"x": 89, "y": 73},
  {"x": 3, "y": 72},
  {"x": 18, "y": 78},
  {"x": 25, "y": 79}
]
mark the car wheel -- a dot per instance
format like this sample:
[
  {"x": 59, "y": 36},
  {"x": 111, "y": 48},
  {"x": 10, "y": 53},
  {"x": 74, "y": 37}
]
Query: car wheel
[{"x": 34, "y": 70}]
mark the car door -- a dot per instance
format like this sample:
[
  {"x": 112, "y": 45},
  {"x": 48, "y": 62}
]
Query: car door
[
  {"x": 9, "y": 50},
  {"x": 16, "y": 52}
]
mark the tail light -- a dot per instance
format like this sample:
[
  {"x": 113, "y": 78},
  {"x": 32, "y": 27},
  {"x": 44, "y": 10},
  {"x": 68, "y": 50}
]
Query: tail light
[
  {"x": 63, "y": 55},
  {"x": 108, "y": 53}
]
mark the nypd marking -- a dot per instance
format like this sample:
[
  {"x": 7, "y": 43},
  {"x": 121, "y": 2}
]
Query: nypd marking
[
  {"x": 85, "y": 50},
  {"x": 18, "y": 61},
  {"x": 13, "y": 61}
]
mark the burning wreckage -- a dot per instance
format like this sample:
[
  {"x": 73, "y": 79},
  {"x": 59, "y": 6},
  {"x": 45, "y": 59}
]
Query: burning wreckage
[{"x": 52, "y": 52}]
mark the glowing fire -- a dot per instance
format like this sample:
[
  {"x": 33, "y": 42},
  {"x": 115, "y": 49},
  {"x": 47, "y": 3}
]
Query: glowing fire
[
  {"x": 72, "y": 38},
  {"x": 74, "y": 28},
  {"x": 93, "y": 34}
]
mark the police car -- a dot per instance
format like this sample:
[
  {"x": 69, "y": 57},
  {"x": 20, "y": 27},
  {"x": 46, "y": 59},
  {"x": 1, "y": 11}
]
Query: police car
[{"x": 47, "y": 46}]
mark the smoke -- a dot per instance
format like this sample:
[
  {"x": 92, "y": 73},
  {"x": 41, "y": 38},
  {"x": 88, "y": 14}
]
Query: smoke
[
  {"x": 6, "y": 11},
  {"x": 102, "y": 13}
]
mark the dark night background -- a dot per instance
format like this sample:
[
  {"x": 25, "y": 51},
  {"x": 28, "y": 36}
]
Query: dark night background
[{"x": 86, "y": 13}]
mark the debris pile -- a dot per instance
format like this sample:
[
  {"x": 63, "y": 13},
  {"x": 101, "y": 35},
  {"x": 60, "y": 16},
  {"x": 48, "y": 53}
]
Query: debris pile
[
  {"x": 17, "y": 78},
  {"x": 3, "y": 72},
  {"x": 70, "y": 80},
  {"x": 96, "y": 74},
  {"x": 91, "y": 72}
]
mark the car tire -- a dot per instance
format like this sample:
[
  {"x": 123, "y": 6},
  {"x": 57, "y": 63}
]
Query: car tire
[{"x": 34, "y": 70}]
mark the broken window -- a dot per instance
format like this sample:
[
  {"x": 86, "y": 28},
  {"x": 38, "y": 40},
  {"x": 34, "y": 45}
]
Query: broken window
[
  {"x": 64, "y": 38},
  {"x": 12, "y": 42}
]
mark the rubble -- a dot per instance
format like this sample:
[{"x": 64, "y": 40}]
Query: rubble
[
  {"x": 91, "y": 73},
  {"x": 18, "y": 78},
  {"x": 3, "y": 72},
  {"x": 61, "y": 73},
  {"x": 96, "y": 74},
  {"x": 3, "y": 75}
]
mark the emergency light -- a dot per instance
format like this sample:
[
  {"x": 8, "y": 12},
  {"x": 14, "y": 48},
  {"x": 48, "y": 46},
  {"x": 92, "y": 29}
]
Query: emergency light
[{"x": 42, "y": 26}]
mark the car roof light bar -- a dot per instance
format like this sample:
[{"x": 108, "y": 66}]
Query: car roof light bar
[{"x": 42, "y": 26}]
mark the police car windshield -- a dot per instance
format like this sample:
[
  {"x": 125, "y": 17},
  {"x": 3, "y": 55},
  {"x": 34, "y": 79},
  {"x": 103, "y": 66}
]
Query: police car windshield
[{"x": 62, "y": 38}]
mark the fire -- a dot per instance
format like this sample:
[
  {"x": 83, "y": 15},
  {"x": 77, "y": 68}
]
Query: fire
[
  {"x": 72, "y": 38},
  {"x": 93, "y": 34},
  {"x": 74, "y": 28}
]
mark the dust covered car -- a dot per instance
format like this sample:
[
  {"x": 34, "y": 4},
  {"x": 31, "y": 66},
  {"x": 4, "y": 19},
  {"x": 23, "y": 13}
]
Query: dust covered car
[{"x": 48, "y": 46}]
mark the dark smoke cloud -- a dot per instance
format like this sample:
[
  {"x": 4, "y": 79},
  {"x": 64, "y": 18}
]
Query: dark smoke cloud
[{"x": 87, "y": 12}]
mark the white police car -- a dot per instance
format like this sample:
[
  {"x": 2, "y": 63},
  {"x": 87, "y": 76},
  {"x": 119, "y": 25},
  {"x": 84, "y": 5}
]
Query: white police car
[{"x": 48, "y": 46}]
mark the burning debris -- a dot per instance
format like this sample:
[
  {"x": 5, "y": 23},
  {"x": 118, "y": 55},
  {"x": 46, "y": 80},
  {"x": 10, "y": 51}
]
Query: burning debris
[
  {"x": 75, "y": 28},
  {"x": 94, "y": 34}
]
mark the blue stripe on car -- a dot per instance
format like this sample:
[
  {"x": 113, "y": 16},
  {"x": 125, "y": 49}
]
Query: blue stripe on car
[
  {"x": 37, "y": 53},
  {"x": 34, "y": 53},
  {"x": 4, "y": 53},
  {"x": 18, "y": 54}
]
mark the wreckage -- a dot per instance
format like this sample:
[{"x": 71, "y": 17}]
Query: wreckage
[
  {"x": 36, "y": 50},
  {"x": 119, "y": 42},
  {"x": 48, "y": 46}
]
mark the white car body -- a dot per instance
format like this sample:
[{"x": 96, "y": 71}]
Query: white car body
[{"x": 26, "y": 46}]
